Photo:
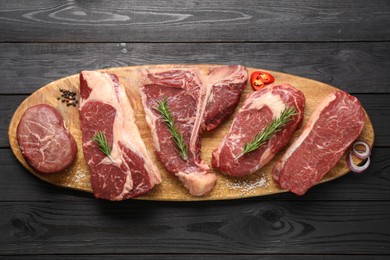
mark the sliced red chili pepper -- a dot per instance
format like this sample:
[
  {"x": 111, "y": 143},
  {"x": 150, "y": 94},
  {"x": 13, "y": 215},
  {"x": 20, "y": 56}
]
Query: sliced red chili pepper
[
  {"x": 257, "y": 84},
  {"x": 259, "y": 78},
  {"x": 267, "y": 78}
]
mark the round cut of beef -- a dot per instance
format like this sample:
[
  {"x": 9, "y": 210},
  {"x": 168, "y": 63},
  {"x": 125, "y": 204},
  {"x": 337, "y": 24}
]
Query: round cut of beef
[{"x": 45, "y": 143}]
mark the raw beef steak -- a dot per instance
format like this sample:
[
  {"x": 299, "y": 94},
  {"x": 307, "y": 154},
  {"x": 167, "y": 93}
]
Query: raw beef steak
[
  {"x": 330, "y": 130},
  {"x": 105, "y": 107},
  {"x": 44, "y": 141},
  {"x": 257, "y": 112},
  {"x": 196, "y": 102},
  {"x": 224, "y": 86}
]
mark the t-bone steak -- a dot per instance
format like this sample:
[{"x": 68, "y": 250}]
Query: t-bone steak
[
  {"x": 333, "y": 126},
  {"x": 257, "y": 112},
  {"x": 45, "y": 143},
  {"x": 197, "y": 102},
  {"x": 105, "y": 107}
]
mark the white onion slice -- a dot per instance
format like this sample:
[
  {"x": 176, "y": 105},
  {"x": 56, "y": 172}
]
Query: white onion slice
[
  {"x": 357, "y": 168},
  {"x": 361, "y": 155}
]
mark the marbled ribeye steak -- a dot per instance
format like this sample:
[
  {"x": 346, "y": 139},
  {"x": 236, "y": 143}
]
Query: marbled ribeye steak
[{"x": 105, "y": 107}]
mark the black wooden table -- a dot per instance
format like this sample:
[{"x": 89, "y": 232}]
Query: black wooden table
[{"x": 343, "y": 43}]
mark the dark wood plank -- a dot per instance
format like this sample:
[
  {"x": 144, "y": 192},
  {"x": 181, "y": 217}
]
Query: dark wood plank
[
  {"x": 246, "y": 227},
  {"x": 201, "y": 256},
  {"x": 376, "y": 105},
  {"x": 355, "y": 67},
  {"x": 378, "y": 109},
  {"x": 194, "y": 21},
  {"x": 17, "y": 184},
  {"x": 7, "y": 108},
  {"x": 342, "y": 43}
]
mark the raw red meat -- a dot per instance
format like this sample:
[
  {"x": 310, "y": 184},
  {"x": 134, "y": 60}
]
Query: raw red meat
[
  {"x": 197, "y": 102},
  {"x": 257, "y": 112},
  {"x": 224, "y": 88},
  {"x": 105, "y": 107},
  {"x": 330, "y": 130},
  {"x": 45, "y": 143}
]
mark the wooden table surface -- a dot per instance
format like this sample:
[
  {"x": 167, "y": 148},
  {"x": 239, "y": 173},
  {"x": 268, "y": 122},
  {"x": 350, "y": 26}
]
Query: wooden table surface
[{"x": 342, "y": 43}]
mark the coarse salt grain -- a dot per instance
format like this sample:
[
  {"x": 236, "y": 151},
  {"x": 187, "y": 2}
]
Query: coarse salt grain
[{"x": 247, "y": 186}]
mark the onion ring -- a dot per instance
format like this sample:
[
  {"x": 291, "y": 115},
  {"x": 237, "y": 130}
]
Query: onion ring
[
  {"x": 357, "y": 168},
  {"x": 361, "y": 155}
]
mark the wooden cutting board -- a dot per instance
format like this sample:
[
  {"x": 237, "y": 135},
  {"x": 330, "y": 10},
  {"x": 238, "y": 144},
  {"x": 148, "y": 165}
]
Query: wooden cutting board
[{"x": 258, "y": 184}]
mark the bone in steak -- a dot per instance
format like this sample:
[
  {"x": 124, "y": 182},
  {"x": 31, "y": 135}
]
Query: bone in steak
[
  {"x": 105, "y": 107},
  {"x": 257, "y": 112},
  {"x": 330, "y": 130},
  {"x": 45, "y": 143},
  {"x": 197, "y": 102}
]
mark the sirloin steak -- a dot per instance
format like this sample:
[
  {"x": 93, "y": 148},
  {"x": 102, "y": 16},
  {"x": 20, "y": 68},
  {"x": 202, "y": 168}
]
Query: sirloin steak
[
  {"x": 45, "y": 143},
  {"x": 105, "y": 107},
  {"x": 257, "y": 112},
  {"x": 330, "y": 130},
  {"x": 197, "y": 102}
]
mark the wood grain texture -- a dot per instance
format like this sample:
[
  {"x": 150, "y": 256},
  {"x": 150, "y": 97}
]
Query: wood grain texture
[
  {"x": 353, "y": 67},
  {"x": 78, "y": 177},
  {"x": 344, "y": 219},
  {"x": 9, "y": 104},
  {"x": 373, "y": 184},
  {"x": 194, "y": 21},
  {"x": 376, "y": 105},
  {"x": 201, "y": 256},
  {"x": 224, "y": 227}
]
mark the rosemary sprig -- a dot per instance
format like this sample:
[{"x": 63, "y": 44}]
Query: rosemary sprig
[
  {"x": 100, "y": 139},
  {"x": 170, "y": 123},
  {"x": 275, "y": 126}
]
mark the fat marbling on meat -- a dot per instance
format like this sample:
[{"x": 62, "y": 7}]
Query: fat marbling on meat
[
  {"x": 45, "y": 143},
  {"x": 257, "y": 112},
  {"x": 197, "y": 102},
  {"x": 333, "y": 126},
  {"x": 105, "y": 107}
]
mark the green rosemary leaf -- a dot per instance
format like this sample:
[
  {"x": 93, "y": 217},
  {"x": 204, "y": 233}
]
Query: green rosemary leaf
[
  {"x": 275, "y": 126},
  {"x": 170, "y": 123},
  {"x": 100, "y": 139}
]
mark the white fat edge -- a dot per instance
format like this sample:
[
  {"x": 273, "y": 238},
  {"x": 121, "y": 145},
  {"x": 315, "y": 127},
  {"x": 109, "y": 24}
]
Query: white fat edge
[
  {"x": 131, "y": 136},
  {"x": 124, "y": 128},
  {"x": 200, "y": 109},
  {"x": 164, "y": 69},
  {"x": 307, "y": 129},
  {"x": 143, "y": 77},
  {"x": 274, "y": 102},
  {"x": 151, "y": 119},
  {"x": 228, "y": 77},
  {"x": 203, "y": 165},
  {"x": 103, "y": 90},
  {"x": 198, "y": 183},
  {"x": 265, "y": 157},
  {"x": 98, "y": 82},
  {"x": 143, "y": 74}
]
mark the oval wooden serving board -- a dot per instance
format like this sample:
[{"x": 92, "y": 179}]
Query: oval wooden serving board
[{"x": 258, "y": 184}]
